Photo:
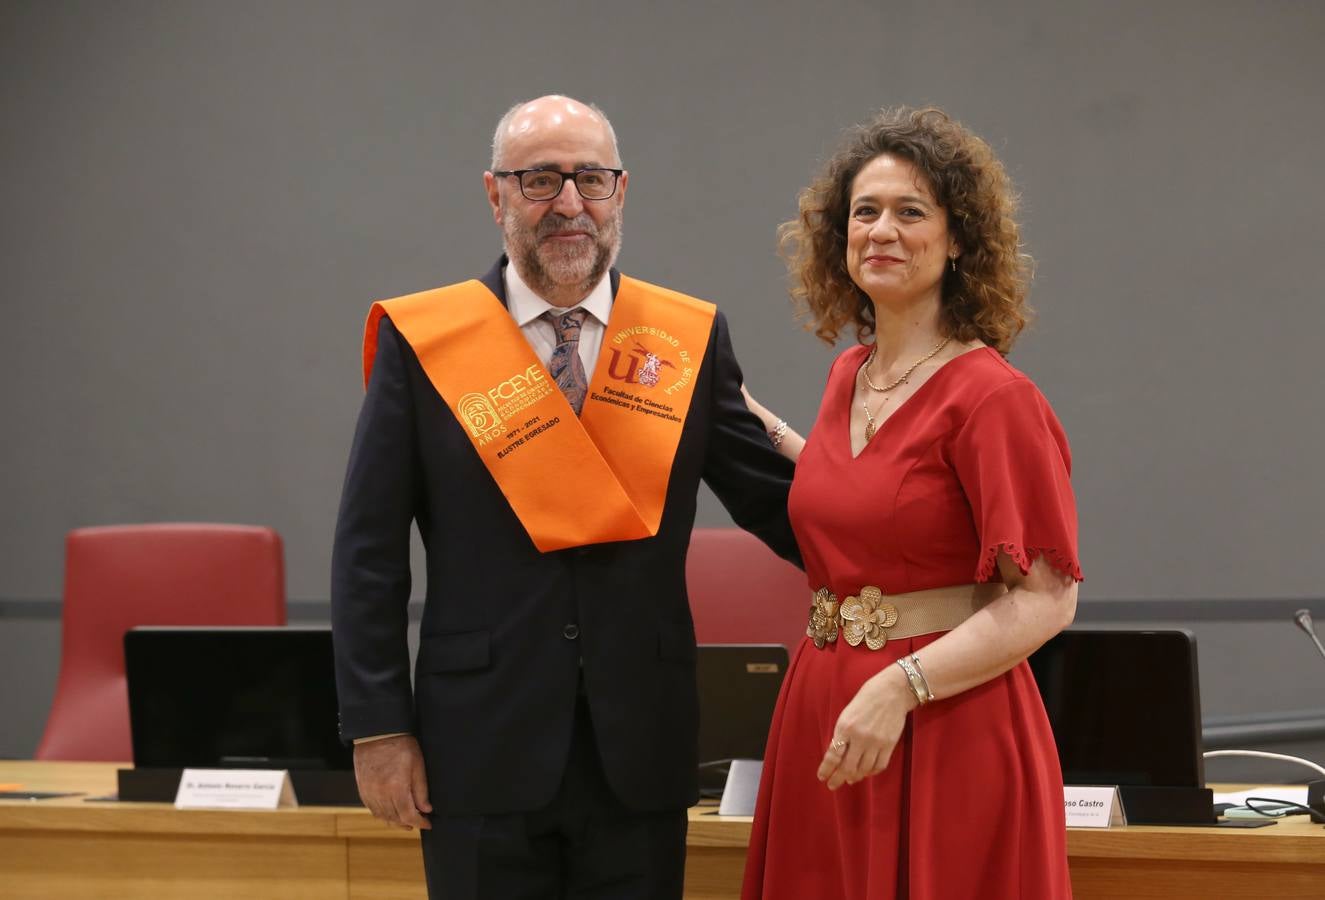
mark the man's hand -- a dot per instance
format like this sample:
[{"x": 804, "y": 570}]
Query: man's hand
[{"x": 392, "y": 782}]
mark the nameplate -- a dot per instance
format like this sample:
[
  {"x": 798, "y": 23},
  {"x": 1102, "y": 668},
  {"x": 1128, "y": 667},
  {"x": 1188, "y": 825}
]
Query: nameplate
[
  {"x": 234, "y": 789},
  {"x": 742, "y": 788},
  {"x": 1092, "y": 807}
]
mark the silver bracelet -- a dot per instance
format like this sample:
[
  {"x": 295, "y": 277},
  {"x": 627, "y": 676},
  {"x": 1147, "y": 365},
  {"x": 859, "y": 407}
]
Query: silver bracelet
[
  {"x": 920, "y": 670},
  {"x": 777, "y": 433},
  {"x": 915, "y": 677}
]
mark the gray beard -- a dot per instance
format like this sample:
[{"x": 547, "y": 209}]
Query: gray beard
[{"x": 562, "y": 280}]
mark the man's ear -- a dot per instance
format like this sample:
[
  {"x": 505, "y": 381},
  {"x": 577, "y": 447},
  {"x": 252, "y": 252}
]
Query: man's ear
[
  {"x": 621, "y": 189},
  {"x": 493, "y": 189}
]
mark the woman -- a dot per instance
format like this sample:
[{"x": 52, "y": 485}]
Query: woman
[{"x": 910, "y": 755}]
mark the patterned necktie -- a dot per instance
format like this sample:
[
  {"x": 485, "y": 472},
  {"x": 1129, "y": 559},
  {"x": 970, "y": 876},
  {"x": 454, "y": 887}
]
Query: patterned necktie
[{"x": 565, "y": 366}]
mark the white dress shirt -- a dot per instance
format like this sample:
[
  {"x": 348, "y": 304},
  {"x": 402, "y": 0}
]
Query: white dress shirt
[{"x": 527, "y": 307}]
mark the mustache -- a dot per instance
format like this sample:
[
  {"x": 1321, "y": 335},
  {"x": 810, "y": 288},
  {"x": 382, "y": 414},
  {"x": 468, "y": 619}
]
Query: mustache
[{"x": 554, "y": 223}]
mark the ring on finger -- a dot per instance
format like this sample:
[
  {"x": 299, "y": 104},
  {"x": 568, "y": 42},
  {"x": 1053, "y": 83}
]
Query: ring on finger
[{"x": 840, "y": 745}]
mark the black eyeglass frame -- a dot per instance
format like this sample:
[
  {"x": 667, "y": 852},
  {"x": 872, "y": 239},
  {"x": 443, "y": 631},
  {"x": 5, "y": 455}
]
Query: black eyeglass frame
[{"x": 565, "y": 177}]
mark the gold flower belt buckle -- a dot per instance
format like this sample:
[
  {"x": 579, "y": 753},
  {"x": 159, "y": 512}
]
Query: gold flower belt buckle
[{"x": 864, "y": 618}]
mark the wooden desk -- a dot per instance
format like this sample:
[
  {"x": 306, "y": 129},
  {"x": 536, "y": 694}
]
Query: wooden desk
[{"x": 73, "y": 847}]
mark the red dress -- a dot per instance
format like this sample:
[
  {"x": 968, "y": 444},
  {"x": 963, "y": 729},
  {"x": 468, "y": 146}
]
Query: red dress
[{"x": 970, "y": 806}]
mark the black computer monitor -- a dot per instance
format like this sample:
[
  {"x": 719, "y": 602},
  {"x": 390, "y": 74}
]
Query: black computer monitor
[
  {"x": 1125, "y": 706},
  {"x": 258, "y": 698},
  {"x": 738, "y": 689}
]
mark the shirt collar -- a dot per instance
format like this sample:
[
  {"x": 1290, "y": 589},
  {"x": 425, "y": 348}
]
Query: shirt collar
[{"x": 526, "y": 306}]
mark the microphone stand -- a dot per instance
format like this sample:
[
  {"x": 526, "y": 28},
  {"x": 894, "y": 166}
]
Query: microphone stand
[
  {"x": 1315, "y": 789},
  {"x": 1303, "y": 619}
]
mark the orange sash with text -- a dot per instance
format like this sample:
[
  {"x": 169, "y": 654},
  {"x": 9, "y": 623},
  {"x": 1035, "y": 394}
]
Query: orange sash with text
[{"x": 571, "y": 481}]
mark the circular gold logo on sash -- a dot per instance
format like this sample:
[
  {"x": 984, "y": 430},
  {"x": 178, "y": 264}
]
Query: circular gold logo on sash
[{"x": 478, "y": 413}]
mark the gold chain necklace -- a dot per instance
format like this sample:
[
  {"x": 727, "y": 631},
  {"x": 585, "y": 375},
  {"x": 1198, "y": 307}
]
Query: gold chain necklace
[{"x": 870, "y": 430}]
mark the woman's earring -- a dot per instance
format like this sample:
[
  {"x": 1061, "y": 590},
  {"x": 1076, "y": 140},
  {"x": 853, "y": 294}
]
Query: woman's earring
[{"x": 953, "y": 260}]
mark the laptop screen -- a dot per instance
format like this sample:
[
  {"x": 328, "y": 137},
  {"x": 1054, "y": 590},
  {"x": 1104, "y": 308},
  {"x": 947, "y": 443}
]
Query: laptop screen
[
  {"x": 262, "y": 698},
  {"x": 1124, "y": 705},
  {"x": 738, "y": 689}
]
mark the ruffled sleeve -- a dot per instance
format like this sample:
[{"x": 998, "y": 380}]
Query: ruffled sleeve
[{"x": 1014, "y": 464}]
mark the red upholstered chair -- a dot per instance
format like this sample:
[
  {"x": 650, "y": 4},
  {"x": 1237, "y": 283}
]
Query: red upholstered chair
[
  {"x": 743, "y": 593},
  {"x": 120, "y": 576}
]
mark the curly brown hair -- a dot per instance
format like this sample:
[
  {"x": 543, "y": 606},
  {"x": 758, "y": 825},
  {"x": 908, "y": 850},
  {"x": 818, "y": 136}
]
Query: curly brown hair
[{"x": 984, "y": 299}]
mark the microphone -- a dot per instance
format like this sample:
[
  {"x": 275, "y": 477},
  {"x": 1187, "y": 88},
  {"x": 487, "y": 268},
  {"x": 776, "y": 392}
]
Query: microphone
[{"x": 1303, "y": 619}]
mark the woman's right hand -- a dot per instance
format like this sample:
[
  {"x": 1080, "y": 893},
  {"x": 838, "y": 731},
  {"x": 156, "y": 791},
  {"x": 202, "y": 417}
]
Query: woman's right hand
[{"x": 791, "y": 442}]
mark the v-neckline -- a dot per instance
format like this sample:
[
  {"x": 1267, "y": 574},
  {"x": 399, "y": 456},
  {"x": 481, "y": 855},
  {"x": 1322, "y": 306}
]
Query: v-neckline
[{"x": 900, "y": 408}]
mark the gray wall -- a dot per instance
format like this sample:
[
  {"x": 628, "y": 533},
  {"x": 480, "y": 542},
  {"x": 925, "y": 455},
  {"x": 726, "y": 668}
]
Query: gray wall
[{"x": 201, "y": 199}]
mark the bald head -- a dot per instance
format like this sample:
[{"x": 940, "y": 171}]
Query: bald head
[{"x": 531, "y": 123}]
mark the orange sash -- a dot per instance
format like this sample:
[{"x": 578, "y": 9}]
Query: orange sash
[{"x": 571, "y": 481}]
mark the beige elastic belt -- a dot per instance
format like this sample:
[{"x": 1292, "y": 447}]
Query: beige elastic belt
[{"x": 873, "y": 617}]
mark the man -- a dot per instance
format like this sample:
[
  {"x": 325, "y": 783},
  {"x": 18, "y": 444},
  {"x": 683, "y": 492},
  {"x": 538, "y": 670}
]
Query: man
[{"x": 546, "y": 427}]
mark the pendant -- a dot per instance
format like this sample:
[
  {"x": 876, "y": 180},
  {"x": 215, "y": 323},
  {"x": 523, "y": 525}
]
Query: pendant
[{"x": 869, "y": 432}]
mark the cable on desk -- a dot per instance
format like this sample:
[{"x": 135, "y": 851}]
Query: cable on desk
[{"x": 1265, "y": 754}]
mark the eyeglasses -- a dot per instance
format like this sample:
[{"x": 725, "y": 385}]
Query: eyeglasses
[{"x": 546, "y": 184}]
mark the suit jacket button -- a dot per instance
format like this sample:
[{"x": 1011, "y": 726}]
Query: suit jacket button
[{"x": 571, "y": 631}]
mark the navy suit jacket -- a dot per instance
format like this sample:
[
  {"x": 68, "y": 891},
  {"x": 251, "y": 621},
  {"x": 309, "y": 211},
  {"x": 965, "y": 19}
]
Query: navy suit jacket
[{"x": 505, "y": 628}]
